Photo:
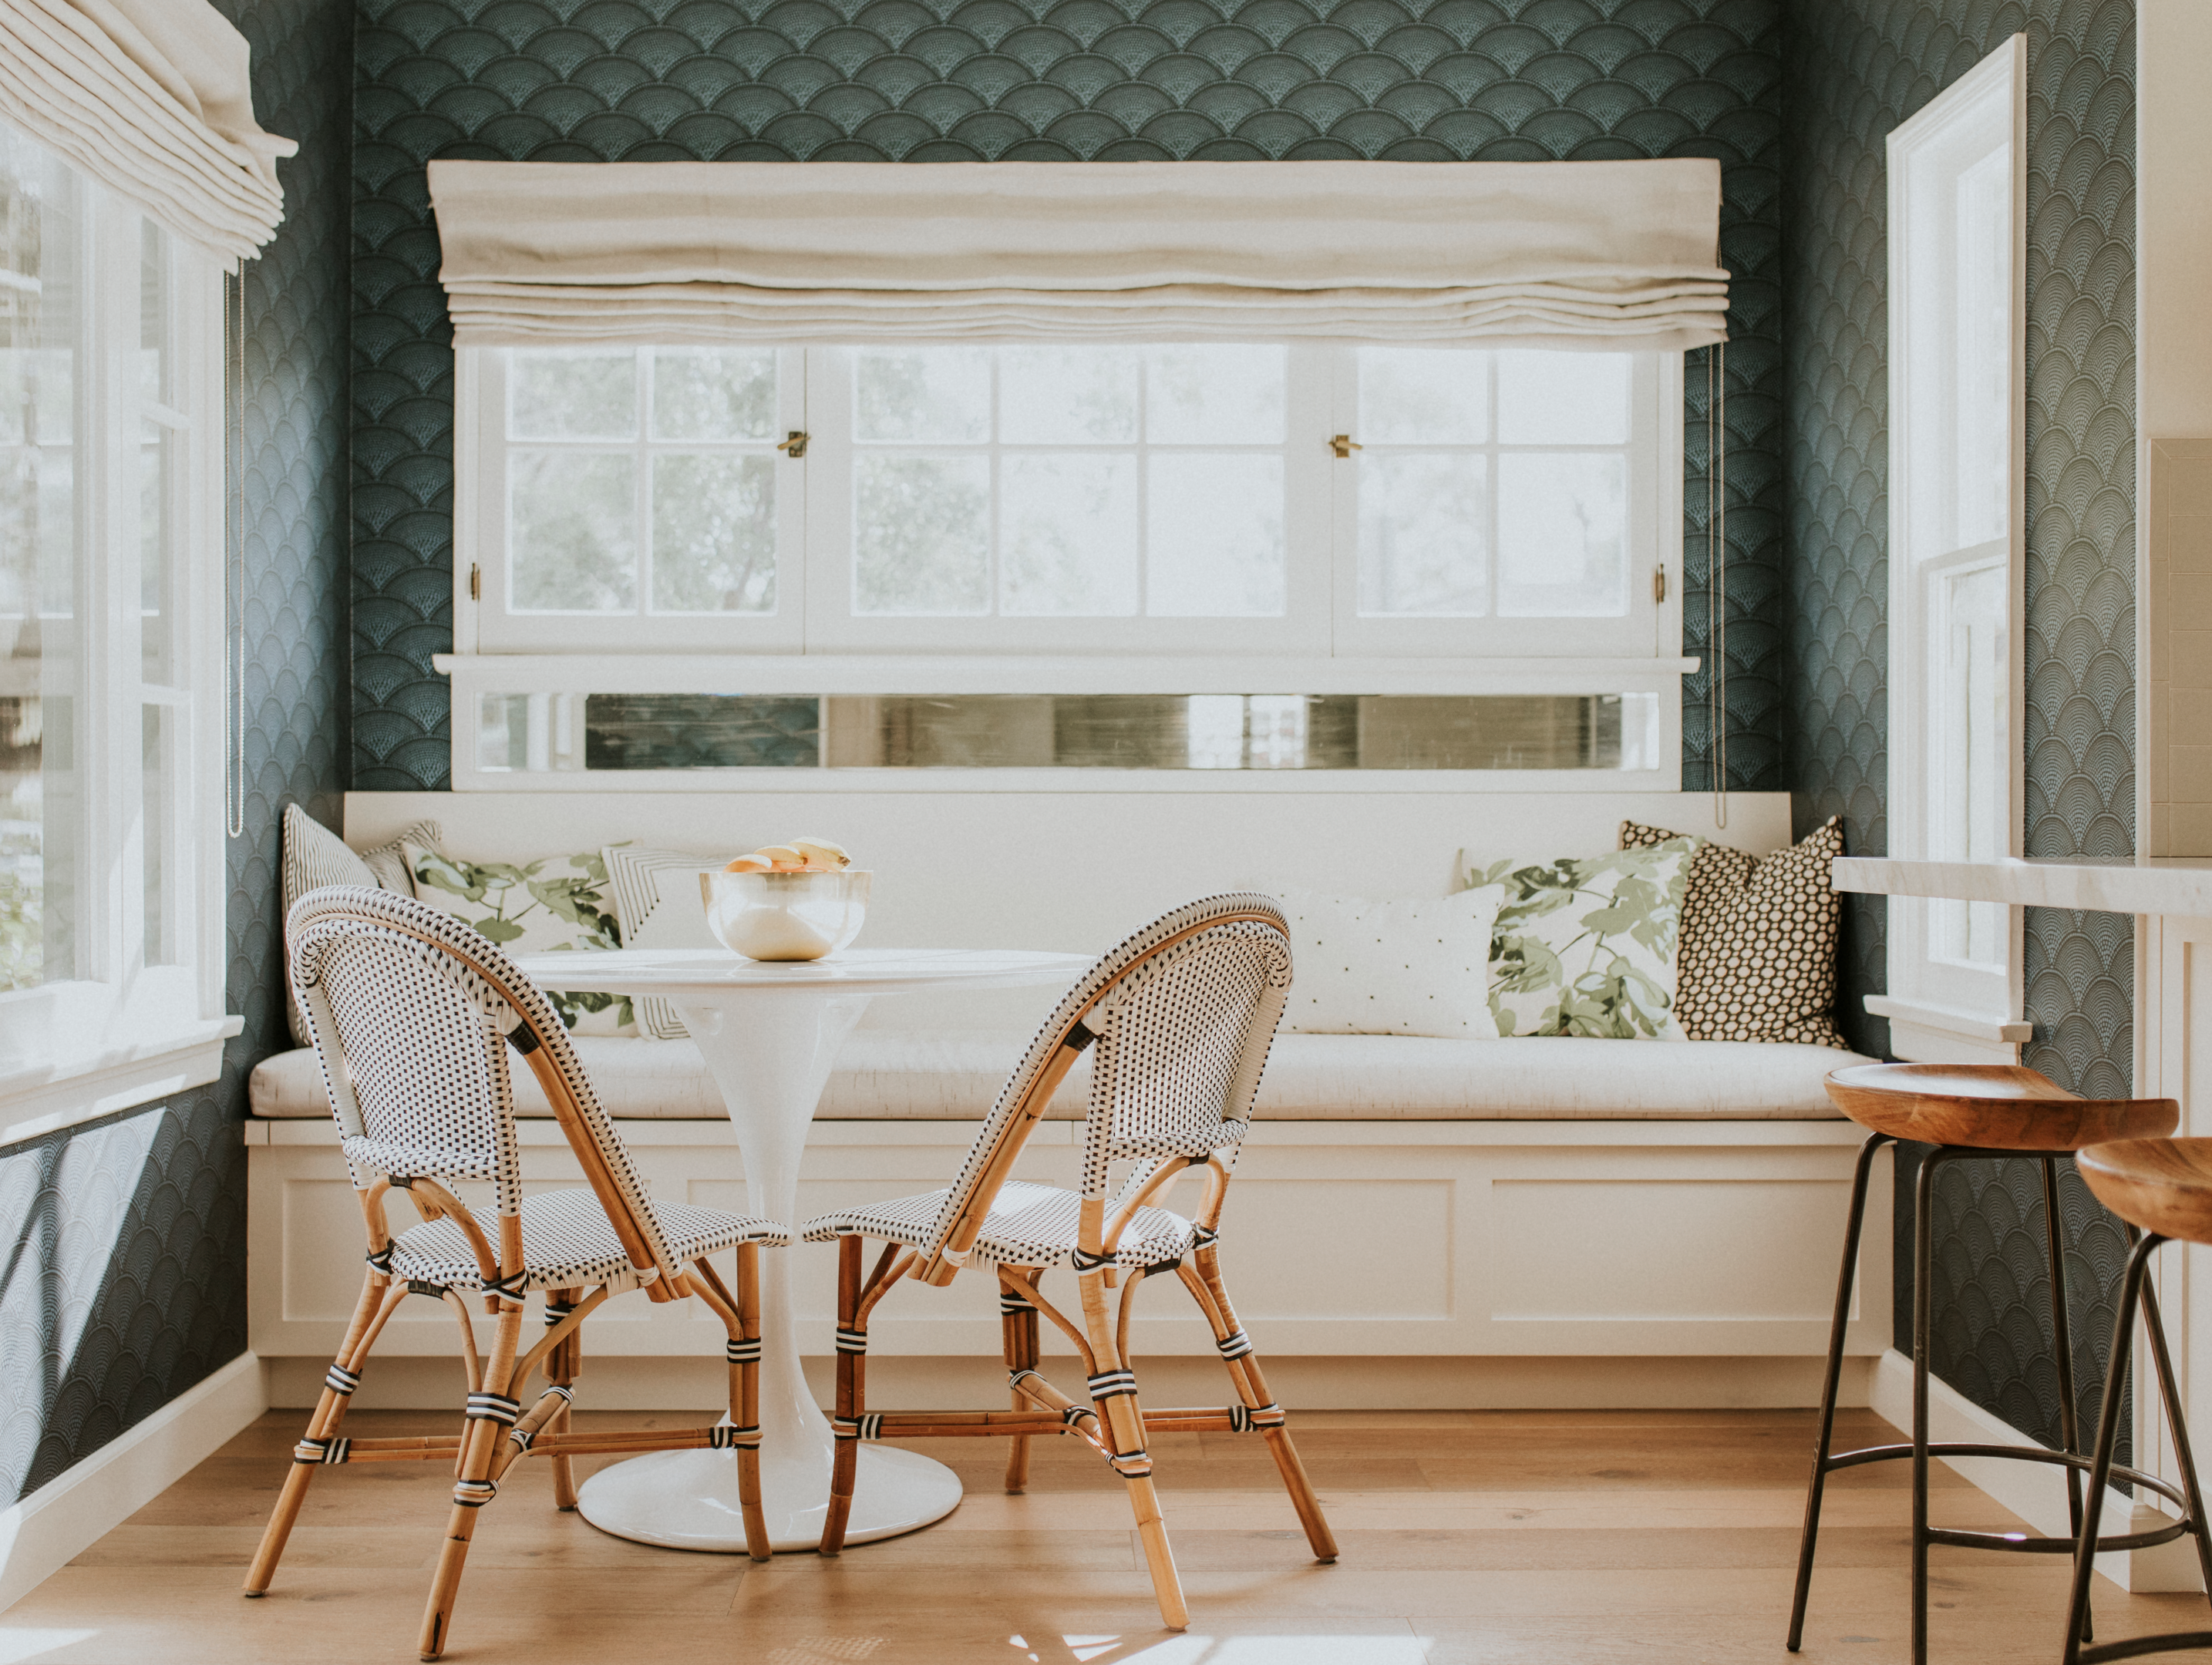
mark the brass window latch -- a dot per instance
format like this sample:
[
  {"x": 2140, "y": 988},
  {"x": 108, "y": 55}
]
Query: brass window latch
[
  {"x": 1659, "y": 583},
  {"x": 475, "y": 582},
  {"x": 796, "y": 445},
  {"x": 1343, "y": 445}
]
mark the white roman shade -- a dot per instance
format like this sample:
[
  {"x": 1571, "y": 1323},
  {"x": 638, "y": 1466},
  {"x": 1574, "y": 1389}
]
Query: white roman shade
[
  {"x": 1605, "y": 254},
  {"x": 152, "y": 98}
]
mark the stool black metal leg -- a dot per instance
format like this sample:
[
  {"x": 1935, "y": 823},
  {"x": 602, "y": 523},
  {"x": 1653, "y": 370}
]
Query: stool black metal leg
[
  {"x": 2108, "y": 1423},
  {"x": 2069, "y": 1429},
  {"x": 1924, "y": 1303},
  {"x": 1845, "y": 1279},
  {"x": 2177, "y": 1429}
]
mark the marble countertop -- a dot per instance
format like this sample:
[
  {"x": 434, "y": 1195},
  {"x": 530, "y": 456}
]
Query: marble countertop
[{"x": 2139, "y": 884}]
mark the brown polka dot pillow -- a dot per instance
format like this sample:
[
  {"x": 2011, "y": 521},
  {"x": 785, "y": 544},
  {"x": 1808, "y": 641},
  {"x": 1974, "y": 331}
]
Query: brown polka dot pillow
[{"x": 1757, "y": 956}]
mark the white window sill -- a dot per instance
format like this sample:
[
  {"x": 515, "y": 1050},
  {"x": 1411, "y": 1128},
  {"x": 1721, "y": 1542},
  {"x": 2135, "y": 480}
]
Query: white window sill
[
  {"x": 1067, "y": 673},
  {"x": 37, "y": 1102},
  {"x": 1921, "y": 1033}
]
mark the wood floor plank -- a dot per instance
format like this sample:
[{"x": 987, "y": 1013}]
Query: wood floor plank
[{"x": 1477, "y": 1538}]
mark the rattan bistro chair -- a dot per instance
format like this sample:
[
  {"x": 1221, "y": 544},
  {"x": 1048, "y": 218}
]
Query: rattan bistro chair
[
  {"x": 1181, "y": 1015},
  {"x": 412, "y": 1013}
]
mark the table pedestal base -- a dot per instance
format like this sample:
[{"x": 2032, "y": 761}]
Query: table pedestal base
[{"x": 689, "y": 1499}]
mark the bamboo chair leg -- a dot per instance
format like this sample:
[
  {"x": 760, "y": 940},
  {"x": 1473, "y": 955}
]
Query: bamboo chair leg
[
  {"x": 562, "y": 1365},
  {"x": 1020, "y": 1325},
  {"x": 1212, "y": 1297},
  {"x": 1159, "y": 1557},
  {"x": 1124, "y": 1419},
  {"x": 746, "y": 1410},
  {"x": 479, "y": 1451},
  {"x": 330, "y": 1411},
  {"x": 851, "y": 1395},
  {"x": 1127, "y": 1421}
]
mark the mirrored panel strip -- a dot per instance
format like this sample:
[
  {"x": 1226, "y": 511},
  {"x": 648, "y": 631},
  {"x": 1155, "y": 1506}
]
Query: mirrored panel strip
[{"x": 621, "y": 732}]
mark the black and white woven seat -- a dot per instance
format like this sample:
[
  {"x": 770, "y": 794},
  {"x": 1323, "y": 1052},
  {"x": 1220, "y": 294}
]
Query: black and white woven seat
[
  {"x": 413, "y": 1016},
  {"x": 1028, "y": 1225},
  {"x": 569, "y": 1243},
  {"x": 1181, "y": 1016}
]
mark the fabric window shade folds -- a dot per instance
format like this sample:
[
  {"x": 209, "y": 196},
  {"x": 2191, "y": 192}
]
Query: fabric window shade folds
[
  {"x": 152, "y": 99},
  {"x": 1605, "y": 255}
]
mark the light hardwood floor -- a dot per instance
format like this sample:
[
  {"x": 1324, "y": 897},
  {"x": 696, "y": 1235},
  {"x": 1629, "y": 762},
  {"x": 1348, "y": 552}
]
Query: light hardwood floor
[{"x": 1468, "y": 1539}]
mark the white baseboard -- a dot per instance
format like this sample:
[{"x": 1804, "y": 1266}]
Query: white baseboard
[
  {"x": 2036, "y": 1491},
  {"x": 613, "y": 1383},
  {"x": 43, "y": 1532}
]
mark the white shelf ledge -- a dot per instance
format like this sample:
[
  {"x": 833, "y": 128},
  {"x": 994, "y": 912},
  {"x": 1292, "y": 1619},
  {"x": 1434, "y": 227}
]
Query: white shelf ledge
[
  {"x": 2179, "y": 886},
  {"x": 1068, "y": 673}
]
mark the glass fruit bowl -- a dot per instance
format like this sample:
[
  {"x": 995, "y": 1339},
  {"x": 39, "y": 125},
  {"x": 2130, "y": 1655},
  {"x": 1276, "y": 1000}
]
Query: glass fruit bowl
[{"x": 785, "y": 916}]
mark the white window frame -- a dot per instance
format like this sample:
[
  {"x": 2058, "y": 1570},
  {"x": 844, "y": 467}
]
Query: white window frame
[
  {"x": 814, "y": 577},
  {"x": 1320, "y": 647},
  {"x": 122, "y": 1032},
  {"x": 480, "y": 505},
  {"x": 1655, "y": 519},
  {"x": 1942, "y": 1009},
  {"x": 833, "y": 628}
]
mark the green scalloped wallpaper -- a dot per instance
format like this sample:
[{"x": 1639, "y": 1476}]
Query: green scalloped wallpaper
[
  {"x": 1005, "y": 79},
  {"x": 1856, "y": 68}
]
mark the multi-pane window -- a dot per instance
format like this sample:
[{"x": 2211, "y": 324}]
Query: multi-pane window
[
  {"x": 1087, "y": 498},
  {"x": 110, "y": 469},
  {"x": 642, "y": 482},
  {"x": 1957, "y": 542},
  {"x": 1496, "y": 483},
  {"x": 1069, "y": 481}
]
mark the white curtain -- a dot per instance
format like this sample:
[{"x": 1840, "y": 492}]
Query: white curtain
[
  {"x": 1614, "y": 255},
  {"x": 152, "y": 98}
]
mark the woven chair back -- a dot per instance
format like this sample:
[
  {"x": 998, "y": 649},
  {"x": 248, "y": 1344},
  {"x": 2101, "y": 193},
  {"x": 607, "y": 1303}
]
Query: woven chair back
[
  {"x": 412, "y": 1013},
  {"x": 1181, "y": 1015}
]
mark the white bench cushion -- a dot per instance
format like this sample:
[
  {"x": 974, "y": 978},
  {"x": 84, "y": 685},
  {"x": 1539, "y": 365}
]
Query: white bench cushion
[{"x": 890, "y": 1075}]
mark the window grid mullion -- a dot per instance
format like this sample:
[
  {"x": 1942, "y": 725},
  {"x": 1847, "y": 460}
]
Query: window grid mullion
[
  {"x": 642, "y": 486},
  {"x": 995, "y": 508},
  {"x": 1144, "y": 461}
]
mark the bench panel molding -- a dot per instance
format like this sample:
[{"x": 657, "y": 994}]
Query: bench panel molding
[{"x": 1434, "y": 1240}]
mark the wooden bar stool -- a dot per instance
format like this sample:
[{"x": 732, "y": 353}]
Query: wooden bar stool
[
  {"x": 1967, "y": 1111},
  {"x": 2162, "y": 1186}
]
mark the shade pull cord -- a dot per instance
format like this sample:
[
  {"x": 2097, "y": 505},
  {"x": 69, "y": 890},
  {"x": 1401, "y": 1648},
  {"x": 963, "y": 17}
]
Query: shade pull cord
[
  {"x": 234, "y": 555},
  {"x": 1717, "y": 669}
]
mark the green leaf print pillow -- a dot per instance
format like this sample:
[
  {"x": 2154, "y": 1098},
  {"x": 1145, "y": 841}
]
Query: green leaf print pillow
[
  {"x": 1587, "y": 946},
  {"x": 535, "y": 908}
]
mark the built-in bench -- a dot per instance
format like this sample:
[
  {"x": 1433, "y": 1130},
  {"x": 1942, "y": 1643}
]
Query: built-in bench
[{"x": 1413, "y": 1220}]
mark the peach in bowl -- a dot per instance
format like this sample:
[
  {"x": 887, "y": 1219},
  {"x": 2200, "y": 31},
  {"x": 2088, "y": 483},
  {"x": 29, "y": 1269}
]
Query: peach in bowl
[{"x": 801, "y": 900}]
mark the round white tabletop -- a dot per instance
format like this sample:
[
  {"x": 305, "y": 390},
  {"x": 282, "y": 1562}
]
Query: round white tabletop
[{"x": 770, "y": 1033}]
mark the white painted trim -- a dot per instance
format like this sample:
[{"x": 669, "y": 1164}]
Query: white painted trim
[
  {"x": 2035, "y": 1491},
  {"x": 1349, "y": 1382},
  {"x": 1943, "y": 1022},
  {"x": 47, "y": 1530},
  {"x": 1226, "y": 672},
  {"x": 36, "y": 1103}
]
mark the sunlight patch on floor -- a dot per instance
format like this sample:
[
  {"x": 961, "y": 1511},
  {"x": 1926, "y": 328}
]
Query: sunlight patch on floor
[
  {"x": 17, "y": 1646},
  {"x": 1187, "y": 1649}
]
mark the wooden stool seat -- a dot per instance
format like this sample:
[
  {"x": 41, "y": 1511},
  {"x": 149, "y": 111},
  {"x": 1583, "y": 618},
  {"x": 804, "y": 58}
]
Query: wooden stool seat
[
  {"x": 1991, "y": 1106},
  {"x": 2162, "y": 1185}
]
